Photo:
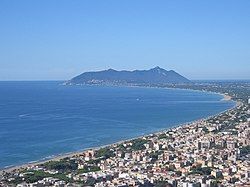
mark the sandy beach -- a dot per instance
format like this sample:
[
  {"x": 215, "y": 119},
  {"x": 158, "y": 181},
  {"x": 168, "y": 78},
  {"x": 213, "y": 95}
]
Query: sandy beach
[{"x": 226, "y": 97}]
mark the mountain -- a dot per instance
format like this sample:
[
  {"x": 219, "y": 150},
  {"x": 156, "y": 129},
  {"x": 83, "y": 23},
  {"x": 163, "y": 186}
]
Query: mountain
[{"x": 154, "y": 76}]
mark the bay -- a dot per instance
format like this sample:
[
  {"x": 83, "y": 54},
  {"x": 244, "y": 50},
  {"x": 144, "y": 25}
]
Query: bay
[{"x": 40, "y": 119}]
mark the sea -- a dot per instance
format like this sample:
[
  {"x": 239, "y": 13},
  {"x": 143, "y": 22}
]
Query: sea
[{"x": 43, "y": 119}]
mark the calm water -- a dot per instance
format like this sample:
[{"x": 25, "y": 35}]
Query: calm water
[{"x": 41, "y": 119}]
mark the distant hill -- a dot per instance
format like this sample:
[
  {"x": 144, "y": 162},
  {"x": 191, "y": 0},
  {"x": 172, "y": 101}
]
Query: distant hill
[{"x": 154, "y": 76}]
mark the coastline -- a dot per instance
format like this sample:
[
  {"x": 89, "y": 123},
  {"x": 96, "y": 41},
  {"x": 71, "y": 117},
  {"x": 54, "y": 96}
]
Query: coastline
[
  {"x": 79, "y": 152},
  {"x": 226, "y": 97}
]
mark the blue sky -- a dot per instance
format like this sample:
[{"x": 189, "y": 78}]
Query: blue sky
[{"x": 56, "y": 40}]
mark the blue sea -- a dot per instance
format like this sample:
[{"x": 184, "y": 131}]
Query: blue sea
[{"x": 43, "y": 119}]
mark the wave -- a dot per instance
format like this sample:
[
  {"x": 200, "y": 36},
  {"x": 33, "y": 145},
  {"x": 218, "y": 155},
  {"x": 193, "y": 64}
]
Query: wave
[{"x": 23, "y": 115}]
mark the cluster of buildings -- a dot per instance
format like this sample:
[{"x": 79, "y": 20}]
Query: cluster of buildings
[{"x": 205, "y": 153}]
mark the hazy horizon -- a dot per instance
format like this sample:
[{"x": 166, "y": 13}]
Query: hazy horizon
[
  {"x": 122, "y": 70},
  {"x": 57, "y": 40}
]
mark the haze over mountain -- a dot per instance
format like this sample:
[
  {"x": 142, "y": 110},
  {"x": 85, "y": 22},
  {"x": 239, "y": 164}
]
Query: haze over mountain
[{"x": 155, "y": 75}]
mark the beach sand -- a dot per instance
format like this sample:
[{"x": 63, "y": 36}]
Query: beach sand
[{"x": 226, "y": 97}]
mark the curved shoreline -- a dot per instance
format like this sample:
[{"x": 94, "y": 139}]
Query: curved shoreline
[{"x": 76, "y": 153}]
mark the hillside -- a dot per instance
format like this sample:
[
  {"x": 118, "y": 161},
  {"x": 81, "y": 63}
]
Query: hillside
[{"x": 155, "y": 75}]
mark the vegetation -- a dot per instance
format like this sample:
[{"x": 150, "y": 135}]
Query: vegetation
[
  {"x": 171, "y": 168},
  {"x": 121, "y": 147},
  {"x": 154, "y": 155},
  {"x": 35, "y": 176},
  {"x": 62, "y": 165},
  {"x": 138, "y": 144},
  {"x": 88, "y": 168},
  {"x": 90, "y": 182},
  {"x": 201, "y": 170},
  {"x": 94, "y": 161},
  {"x": 163, "y": 136},
  {"x": 105, "y": 153},
  {"x": 162, "y": 183},
  {"x": 245, "y": 150},
  {"x": 32, "y": 176},
  {"x": 205, "y": 129}
]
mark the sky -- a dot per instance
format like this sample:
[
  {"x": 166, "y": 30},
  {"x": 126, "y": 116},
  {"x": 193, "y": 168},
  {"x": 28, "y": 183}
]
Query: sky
[{"x": 56, "y": 40}]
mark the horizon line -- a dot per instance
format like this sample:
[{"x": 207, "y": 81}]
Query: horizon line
[{"x": 56, "y": 80}]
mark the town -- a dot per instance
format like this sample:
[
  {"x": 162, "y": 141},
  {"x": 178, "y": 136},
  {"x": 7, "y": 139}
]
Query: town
[{"x": 205, "y": 153}]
